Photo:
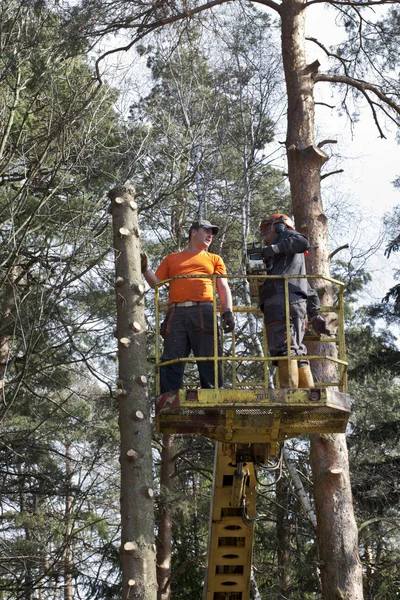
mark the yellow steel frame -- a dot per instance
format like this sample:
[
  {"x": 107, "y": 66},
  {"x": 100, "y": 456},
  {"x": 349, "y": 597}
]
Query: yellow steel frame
[
  {"x": 230, "y": 540},
  {"x": 251, "y": 416},
  {"x": 338, "y": 339},
  {"x": 248, "y": 419}
]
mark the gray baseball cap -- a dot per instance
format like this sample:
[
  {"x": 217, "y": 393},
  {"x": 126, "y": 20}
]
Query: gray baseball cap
[{"x": 206, "y": 224}]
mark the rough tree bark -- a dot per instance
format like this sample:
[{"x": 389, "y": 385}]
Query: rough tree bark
[
  {"x": 6, "y": 312},
  {"x": 340, "y": 567},
  {"x": 299, "y": 489},
  {"x": 283, "y": 537},
  {"x": 164, "y": 521},
  {"x": 68, "y": 563},
  {"x": 137, "y": 503}
]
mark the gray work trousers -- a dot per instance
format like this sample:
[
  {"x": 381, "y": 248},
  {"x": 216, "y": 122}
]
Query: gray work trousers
[
  {"x": 185, "y": 329},
  {"x": 275, "y": 324}
]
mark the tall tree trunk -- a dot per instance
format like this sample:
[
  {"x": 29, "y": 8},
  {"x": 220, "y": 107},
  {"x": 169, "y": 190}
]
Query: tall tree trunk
[
  {"x": 26, "y": 590},
  {"x": 68, "y": 591},
  {"x": 164, "y": 522},
  {"x": 340, "y": 565},
  {"x": 283, "y": 536},
  {"x": 254, "y": 592},
  {"x": 300, "y": 491},
  {"x": 6, "y": 311},
  {"x": 337, "y": 532},
  {"x": 137, "y": 504}
]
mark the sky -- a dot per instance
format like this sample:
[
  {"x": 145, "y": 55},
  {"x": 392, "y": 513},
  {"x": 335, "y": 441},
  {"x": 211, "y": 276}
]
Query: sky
[{"x": 370, "y": 166}]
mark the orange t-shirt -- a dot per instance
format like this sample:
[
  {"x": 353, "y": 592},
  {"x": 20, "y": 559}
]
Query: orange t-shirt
[{"x": 189, "y": 263}]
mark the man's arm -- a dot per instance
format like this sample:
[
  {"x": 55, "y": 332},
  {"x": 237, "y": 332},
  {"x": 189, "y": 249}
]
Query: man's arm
[
  {"x": 287, "y": 242},
  {"x": 148, "y": 274},
  {"x": 151, "y": 278},
  {"x": 224, "y": 294},
  {"x": 313, "y": 305},
  {"x": 225, "y": 297}
]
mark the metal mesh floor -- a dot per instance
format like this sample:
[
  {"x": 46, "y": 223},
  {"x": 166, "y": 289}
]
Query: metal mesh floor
[{"x": 254, "y": 423}]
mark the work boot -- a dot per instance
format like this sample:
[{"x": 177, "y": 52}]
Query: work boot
[
  {"x": 283, "y": 370},
  {"x": 306, "y": 379}
]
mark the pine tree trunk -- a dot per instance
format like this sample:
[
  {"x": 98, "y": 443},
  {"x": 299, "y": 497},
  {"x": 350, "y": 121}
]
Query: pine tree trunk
[
  {"x": 137, "y": 504},
  {"x": 8, "y": 304},
  {"x": 68, "y": 590},
  {"x": 283, "y": 537},
  {"x": 337, "y": 532},
  {"x": 164, "y": 538}
]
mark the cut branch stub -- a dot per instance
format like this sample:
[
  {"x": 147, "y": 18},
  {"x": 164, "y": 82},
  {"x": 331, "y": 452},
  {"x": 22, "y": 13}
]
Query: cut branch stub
[
  {"x": 336, "y": 471},
  {"x": 130, "y": 546},
  {"x": 314, "y": 153},
  {"x": 136, "y": 326},
  {"x": 139, "y": 416},
  {"x": 124, "y": 189},
  {"x": 124, "y": 231},
  {"x": 311, "y": 68},
  {"x": 125, "y": 341},
  {"x": 132, "y": 454},
  {"x": 138, "y": 287}
]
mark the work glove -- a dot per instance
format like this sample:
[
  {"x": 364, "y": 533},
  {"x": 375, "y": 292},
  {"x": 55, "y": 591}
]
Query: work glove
[
  {"x": 319, "y": 325},
  {"x": 267, "y": 252},
  {"x": 144, "y": 261},
  {"x": 228, "y": 322}
]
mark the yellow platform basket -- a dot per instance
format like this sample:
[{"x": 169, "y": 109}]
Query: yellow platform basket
[{"x": 252, "y": 416}]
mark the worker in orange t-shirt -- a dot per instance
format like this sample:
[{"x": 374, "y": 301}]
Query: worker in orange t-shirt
[{"x": 189, "y": 321}]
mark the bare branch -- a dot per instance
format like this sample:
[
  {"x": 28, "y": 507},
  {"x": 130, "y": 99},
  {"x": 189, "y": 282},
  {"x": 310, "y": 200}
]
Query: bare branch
[
  {"x": 324, "y": 142},
  {"x": 351, "y": 3},
  {"x": 332, "y": 254},
  {"x": 145, "y": 28},
  {"x": 362, "y": 86},
  {"x": 325, "y": 175}
]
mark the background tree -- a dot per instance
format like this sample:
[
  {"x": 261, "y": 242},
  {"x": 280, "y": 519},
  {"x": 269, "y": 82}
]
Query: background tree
[
  {"x": 58, "y": 438},
  {"x": 58, "y": 306},
  {"x": 341, "y": 573},
  {"x": 137, "y": 506},
  {"x": 373, "y": 436},
  {"x": 203, "y": 176}
]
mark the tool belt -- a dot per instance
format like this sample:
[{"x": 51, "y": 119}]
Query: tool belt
[{"x": 188, "y": 303}]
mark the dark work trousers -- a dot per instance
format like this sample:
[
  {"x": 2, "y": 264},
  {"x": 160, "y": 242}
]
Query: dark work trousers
[
  {"x": 188, "y": 328},
  {"x": 275, "y": 324}
]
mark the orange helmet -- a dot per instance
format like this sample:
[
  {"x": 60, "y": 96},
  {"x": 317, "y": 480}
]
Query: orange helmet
[{"x": 272, "y": 220}]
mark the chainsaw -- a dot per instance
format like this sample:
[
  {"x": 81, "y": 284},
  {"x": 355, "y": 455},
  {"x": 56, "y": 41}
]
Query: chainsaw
[{"x": 255, "y": 265}]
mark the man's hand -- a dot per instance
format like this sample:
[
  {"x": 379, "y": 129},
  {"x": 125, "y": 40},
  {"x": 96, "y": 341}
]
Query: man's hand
[
  {"x": 268, "y": 251},
  {"x": 144, "y": 261},
  {"x": 319, "y": 325},
  {"x": 228, "y": 322}
]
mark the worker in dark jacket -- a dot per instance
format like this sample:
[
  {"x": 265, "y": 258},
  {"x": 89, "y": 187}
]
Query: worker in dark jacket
[{"x": 283, "y": 254}]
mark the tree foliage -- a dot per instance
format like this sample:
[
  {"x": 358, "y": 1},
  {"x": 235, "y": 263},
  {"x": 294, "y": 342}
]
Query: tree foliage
[
  {"x": 197, "y": 142},
  {"x": 55, "y": 148}
]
